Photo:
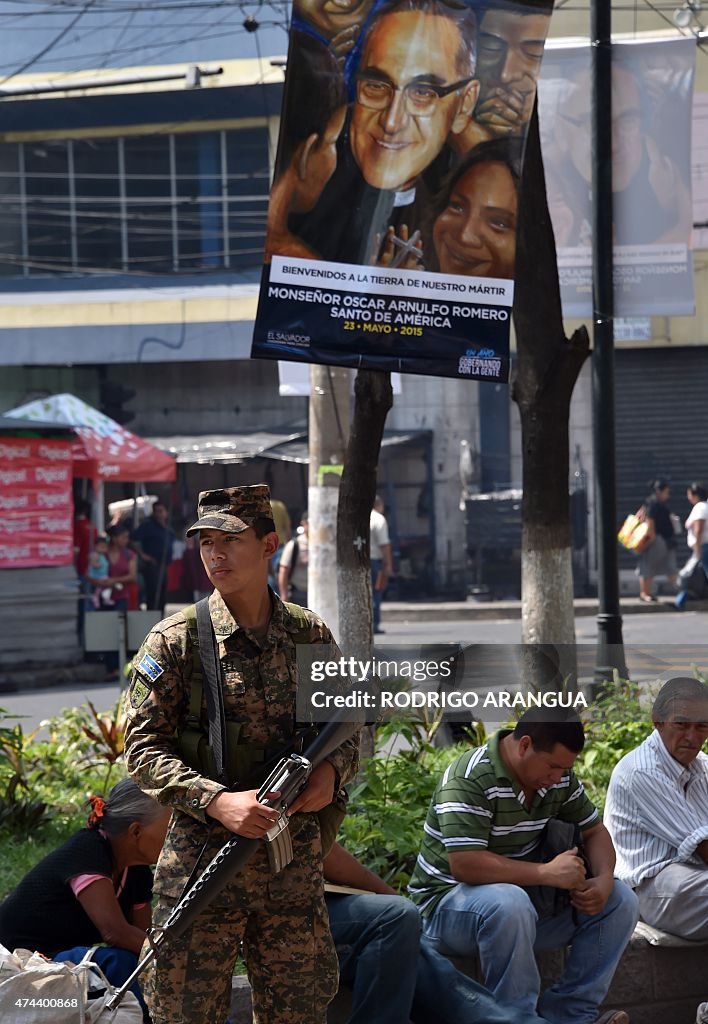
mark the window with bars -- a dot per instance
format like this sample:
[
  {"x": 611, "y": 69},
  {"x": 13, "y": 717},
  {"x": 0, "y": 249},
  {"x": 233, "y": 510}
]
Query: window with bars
[{"x": 143, "y": 204}]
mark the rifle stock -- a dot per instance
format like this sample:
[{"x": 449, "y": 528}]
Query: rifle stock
[{"x": 289, "y": 778}]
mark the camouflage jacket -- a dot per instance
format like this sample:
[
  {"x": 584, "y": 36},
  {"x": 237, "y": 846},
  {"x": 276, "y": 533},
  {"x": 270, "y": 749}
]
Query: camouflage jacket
[{"x": 259, "y": 692}]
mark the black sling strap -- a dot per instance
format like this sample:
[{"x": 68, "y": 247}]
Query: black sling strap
[{"x": 213, "y": 691}]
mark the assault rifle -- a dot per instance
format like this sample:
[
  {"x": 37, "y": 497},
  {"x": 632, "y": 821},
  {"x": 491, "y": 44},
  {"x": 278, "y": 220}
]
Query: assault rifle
[{"x": 288, "y": 779}]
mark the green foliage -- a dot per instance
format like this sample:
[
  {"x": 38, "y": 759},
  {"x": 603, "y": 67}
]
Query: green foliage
[
  {"x": 21, "y": 811},
  {"x": 619, "y": 723},
  {"x": 82, "y": 756},
  {"x": 46, "y": 783},
  {"x": 389, "y": 801},
  {"x": 106, "y": 733},
  {"x": 21, "y": 853}
]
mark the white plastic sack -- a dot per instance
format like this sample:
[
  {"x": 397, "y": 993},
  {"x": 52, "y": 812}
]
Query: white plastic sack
[{"x": 34, "y": 990}]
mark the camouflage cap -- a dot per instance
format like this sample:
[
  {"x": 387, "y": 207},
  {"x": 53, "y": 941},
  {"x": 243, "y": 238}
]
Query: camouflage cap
[{"x": 232, "y": 509}]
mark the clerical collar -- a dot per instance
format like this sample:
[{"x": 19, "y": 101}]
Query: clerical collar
[{"x": 404, "y": 198}]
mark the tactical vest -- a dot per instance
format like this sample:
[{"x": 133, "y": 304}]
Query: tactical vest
[{"x": 247, "y": 764}]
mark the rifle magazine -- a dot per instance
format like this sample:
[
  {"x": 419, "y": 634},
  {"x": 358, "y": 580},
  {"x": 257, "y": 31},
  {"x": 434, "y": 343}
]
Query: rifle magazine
[{"x": 279, "y": 845}]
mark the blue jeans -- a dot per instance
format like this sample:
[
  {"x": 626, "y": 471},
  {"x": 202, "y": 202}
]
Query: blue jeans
[
  {"x": 447, "y": 996},
  {"x": 116, "y": 964},
  {"x": 682, "y": 596},
  {"x": 377, "y": 944},
  {"x": 500, "y": 923},
  {"x": 376, "y": 595}
]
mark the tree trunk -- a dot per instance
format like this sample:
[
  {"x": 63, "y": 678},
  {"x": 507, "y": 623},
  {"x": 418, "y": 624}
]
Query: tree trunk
[
  {"x": 373, "y": 397},
  {"x": 547, "y": 368}
]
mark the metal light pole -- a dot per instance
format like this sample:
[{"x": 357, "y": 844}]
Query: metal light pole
[{"x": 610, "y": 649}]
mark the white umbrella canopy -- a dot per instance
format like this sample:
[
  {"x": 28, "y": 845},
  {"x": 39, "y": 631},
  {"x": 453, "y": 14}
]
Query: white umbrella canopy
[{"x": 104, "y": 450}]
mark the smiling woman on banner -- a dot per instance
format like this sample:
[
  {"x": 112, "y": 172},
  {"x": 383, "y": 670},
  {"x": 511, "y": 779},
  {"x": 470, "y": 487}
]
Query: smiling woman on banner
[
  {"x": 474, "y": 227},
  {"x": 473, "y": 223}
]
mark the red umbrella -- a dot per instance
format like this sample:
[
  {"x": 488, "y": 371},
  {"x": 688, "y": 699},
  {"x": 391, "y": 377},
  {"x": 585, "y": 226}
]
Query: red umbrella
[{"x": 103, "y": 450}]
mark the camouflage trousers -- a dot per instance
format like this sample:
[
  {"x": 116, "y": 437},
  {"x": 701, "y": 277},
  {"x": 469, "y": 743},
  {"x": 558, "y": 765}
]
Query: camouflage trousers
[{"x": 281, "y": 920}]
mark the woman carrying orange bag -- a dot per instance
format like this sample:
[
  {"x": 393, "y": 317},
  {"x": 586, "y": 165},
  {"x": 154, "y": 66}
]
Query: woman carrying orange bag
[{"x": 659, "y": 556}]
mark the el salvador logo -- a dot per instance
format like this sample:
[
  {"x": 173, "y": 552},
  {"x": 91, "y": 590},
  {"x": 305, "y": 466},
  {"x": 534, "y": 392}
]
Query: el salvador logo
[{"x": 150, "y": 668}]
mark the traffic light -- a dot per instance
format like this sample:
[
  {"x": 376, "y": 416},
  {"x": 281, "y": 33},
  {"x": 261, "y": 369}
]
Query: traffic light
[{"x": 112, "y": 397}]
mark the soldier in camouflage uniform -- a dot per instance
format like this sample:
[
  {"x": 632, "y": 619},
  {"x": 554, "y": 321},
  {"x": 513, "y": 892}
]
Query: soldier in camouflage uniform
[{"x": 280, "y": 918}]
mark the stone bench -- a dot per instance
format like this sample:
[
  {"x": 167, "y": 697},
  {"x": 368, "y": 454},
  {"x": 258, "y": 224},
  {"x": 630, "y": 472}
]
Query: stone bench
[{"x": 660, "y": 980}]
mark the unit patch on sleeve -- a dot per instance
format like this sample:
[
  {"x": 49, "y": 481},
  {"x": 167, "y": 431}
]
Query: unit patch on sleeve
[{"x": 139, "y": 693}]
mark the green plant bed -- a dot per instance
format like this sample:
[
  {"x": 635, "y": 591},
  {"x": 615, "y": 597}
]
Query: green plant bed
[
  {"x": 45, "y": 785},
  {"x": 19, "y": 854},
  {"x": 620, "y": 721}
]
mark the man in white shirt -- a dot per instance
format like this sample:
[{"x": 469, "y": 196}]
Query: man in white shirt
[
  {"x": 381, "y": 560},
  {"x": 657, "y": 813},
  {"x": 292, "y": 568}
]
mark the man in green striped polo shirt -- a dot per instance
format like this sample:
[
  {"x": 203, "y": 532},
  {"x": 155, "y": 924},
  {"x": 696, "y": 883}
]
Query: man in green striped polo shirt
[{"x": 484, "y": 826}]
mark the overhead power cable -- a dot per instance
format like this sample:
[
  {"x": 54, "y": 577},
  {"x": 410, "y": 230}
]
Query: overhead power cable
[{"x": 51, "y": 45}]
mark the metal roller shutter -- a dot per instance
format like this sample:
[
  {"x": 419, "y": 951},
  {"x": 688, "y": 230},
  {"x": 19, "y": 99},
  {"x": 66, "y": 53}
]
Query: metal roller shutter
[{"x": 662, "y": 426}]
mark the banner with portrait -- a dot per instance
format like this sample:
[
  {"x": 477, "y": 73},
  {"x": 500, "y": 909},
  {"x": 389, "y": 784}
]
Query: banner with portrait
[
  {"x": 392, "y": 220},
  {"x": 652, "y": 93}
]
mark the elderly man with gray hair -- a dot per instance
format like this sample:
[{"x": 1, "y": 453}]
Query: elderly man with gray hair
[{"x": 657, "y": 813}]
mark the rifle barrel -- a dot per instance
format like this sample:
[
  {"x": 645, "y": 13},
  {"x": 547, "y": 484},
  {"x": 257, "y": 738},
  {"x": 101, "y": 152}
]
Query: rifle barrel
[{"x": 114, "y": 1002}]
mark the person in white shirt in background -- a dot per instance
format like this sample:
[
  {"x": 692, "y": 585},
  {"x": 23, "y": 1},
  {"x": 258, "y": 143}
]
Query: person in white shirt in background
[
  {"x": 696, "y": 537},
  {"x": 381, "y": 559},
  {"x": 292, "y": 568}
]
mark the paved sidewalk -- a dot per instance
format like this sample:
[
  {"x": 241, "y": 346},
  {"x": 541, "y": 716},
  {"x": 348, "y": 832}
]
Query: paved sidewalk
[
  {"x": 19, "y": 679},
  {"x": 424, "y": 611}
]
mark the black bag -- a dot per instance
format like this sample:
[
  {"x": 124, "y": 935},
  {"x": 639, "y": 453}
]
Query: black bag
[{"x": 557, "y": 837}]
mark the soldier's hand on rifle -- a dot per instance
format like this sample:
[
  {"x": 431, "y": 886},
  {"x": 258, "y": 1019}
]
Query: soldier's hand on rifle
[
  {"x": 242, "y": 814},
  {"x": 318, "y": 792}
]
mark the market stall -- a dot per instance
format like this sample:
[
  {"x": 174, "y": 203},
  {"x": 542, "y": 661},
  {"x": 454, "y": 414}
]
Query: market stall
[
  {"x": 37, "y": 577},
  {"x": 48, "y": 443}
]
